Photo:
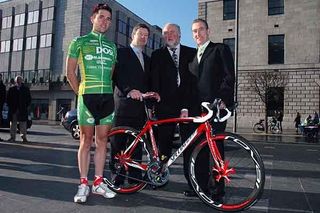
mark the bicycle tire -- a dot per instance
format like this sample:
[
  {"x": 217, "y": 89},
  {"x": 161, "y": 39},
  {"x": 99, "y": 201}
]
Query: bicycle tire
[
  {"x": 246, "y": 184},
  {"x": 119, "y": 178},
  {"x": 258, "y": 128},
  {"x": 274, "y": 129}
]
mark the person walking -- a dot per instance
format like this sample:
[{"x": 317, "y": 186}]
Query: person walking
[
  {"x": 297, "y": 122},
  {"x": 213, "y": 69},
  {"x": 171, "y": 79},
  {"x": 131, "y": 79},
  {"x": 96, "y": 56},
  {"x": 18, "y": 100},
  {"x": 279, "y": 115}
]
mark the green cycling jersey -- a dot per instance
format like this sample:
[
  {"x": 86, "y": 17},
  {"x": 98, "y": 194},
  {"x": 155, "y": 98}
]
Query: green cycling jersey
[{"x": 96, "y": 57}]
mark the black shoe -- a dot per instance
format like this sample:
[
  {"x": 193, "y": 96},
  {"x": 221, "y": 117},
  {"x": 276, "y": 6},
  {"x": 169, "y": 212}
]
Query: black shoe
[
  {"x": 189, "y": 193},
  {"x": 118, "y": 180},
  {"x": 218, "y": 198}
]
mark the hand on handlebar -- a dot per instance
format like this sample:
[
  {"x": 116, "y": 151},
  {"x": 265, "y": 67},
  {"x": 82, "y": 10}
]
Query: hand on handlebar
[
  {"x": 154, "y": 95},
  {"x": 222, "y": 105},
  {"x": 135, "y": 95}
]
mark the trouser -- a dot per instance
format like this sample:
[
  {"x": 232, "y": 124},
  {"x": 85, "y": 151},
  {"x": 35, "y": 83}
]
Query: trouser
[
  {"x": 22, "y": 127},
  {"x": 203, "y": 165}
]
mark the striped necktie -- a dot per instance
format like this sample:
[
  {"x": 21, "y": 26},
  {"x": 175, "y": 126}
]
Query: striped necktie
[{"x": 175, "y": 60}]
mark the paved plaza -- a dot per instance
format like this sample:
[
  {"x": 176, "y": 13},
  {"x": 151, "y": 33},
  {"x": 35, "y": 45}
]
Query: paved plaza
[{"x": 42, "y": 176}]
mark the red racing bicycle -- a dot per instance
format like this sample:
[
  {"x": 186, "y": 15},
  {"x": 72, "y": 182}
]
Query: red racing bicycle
[{"x": 241, "y": 168}]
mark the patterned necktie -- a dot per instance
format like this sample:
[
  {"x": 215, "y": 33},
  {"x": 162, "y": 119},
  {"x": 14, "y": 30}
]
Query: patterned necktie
[
  {"x": 199, "y": 54},
  {"x": 175, "y": 60}
]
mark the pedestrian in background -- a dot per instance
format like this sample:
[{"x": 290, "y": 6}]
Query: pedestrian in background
[
  {"x": 18, "y": 100},
  {"x": 279, "y": 116},
  {"x": 297, "y": 122},
  {"x": 315, "y": 118}
]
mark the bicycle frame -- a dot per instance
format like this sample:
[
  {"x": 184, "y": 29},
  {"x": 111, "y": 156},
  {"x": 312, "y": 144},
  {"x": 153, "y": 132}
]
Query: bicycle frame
[{"x": 202, "y": 128}]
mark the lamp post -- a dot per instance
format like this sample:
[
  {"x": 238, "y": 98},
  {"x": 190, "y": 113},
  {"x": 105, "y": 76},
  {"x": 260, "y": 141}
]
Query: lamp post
[
  {"x": 236, "y": 64},
  {"x": 318, "y": 83}
]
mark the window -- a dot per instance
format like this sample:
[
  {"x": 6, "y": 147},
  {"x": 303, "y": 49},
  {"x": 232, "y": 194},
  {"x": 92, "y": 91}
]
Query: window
[
  {"x": 276, "y": 49},
  {"x": 231, "y": 43},
  {"x": 17, "y": 44},
  {"x": 46, "y": 40},
  {"x": 130, "y": 29},
  {"x": 33, "y": 17},
  {"x": 157, "y": 42},
  {"x": 31, "y": 43},
  {"x": 19, "y": 20},
  {"x": 229, "y": 9},
  {"x": 5, "y": 46},
  {"x": 39, "y": 109},
  {"x": 122, "y": 27},
  {"x": 275, "y": 100},
  {"x": 150, "y": 43},
  {"x": 47, "y": 14},
  {"x": 275, "y": 7},
  {"x": 7, "y": 22}
]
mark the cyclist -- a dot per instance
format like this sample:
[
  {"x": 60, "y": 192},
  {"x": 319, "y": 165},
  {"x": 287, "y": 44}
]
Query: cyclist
[{"x": 96, "y": 57}]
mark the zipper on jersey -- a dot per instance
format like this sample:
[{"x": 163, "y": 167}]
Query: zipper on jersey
[{"x": 101, "y": 60}]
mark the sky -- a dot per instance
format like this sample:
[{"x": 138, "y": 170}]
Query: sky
[{"x": 160, "y": 12}]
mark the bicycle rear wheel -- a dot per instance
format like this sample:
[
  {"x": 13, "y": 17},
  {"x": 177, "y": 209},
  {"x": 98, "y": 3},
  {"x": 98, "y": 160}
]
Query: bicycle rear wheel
[
  {"x": 246, "y": 177},
  {"x": 124, "y": 178},
  {"x": 258, "y": 128}
]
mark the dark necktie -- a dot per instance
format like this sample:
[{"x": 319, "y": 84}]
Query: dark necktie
[{"x": 175, "y": 60}]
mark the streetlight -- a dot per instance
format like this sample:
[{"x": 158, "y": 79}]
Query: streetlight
[{"x": 236, "y": 65}]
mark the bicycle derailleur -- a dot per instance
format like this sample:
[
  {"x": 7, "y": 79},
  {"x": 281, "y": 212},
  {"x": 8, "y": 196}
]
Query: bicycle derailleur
[{"x": 157, "y": 175}]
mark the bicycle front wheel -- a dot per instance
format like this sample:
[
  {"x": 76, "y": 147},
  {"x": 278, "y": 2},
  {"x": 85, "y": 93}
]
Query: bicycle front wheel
[
  {"x": 244, "y": 181},
  {"x": 128, "y": 169}
]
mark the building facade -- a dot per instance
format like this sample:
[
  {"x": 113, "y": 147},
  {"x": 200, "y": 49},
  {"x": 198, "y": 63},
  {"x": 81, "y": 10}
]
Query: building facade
[
  {"x": 281, "y": 36},
  {"x": 34, "y": 40}
]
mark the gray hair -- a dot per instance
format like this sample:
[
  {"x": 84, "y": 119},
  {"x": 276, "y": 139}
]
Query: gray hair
[{"x": 175, "y": 25}]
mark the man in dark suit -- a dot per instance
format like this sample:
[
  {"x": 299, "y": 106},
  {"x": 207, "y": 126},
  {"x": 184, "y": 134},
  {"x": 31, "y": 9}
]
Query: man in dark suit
[
  {"x": 131, "y": 79},
  {"x": 213, "y": 68},
  {"x": 171, "y": 78},
  {"x": 18, "y": 99}
]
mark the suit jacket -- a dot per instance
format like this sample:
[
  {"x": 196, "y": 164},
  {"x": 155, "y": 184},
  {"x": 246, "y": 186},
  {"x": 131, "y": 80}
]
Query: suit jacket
[
  {"x": 164, "y": 80},
  {"x": 129, "y": 75},
  {"x": 19, "y": 100},
  {"x": 215, "y": 76}
]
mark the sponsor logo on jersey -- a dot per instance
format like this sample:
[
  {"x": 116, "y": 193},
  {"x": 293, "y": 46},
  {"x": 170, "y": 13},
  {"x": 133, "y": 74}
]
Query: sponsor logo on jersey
[
  {"x": 88, "y": 57},
  {"x": 104, "y": 50}
]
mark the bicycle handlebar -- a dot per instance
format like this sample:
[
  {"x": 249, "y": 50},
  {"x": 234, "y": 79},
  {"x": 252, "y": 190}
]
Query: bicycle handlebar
[
  {"x": 215, "y": 106},
  {"x": 209, "y": 107}
]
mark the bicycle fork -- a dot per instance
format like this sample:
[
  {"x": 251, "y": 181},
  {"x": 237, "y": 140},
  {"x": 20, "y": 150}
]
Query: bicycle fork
[{"x": 220, "y": 168}]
